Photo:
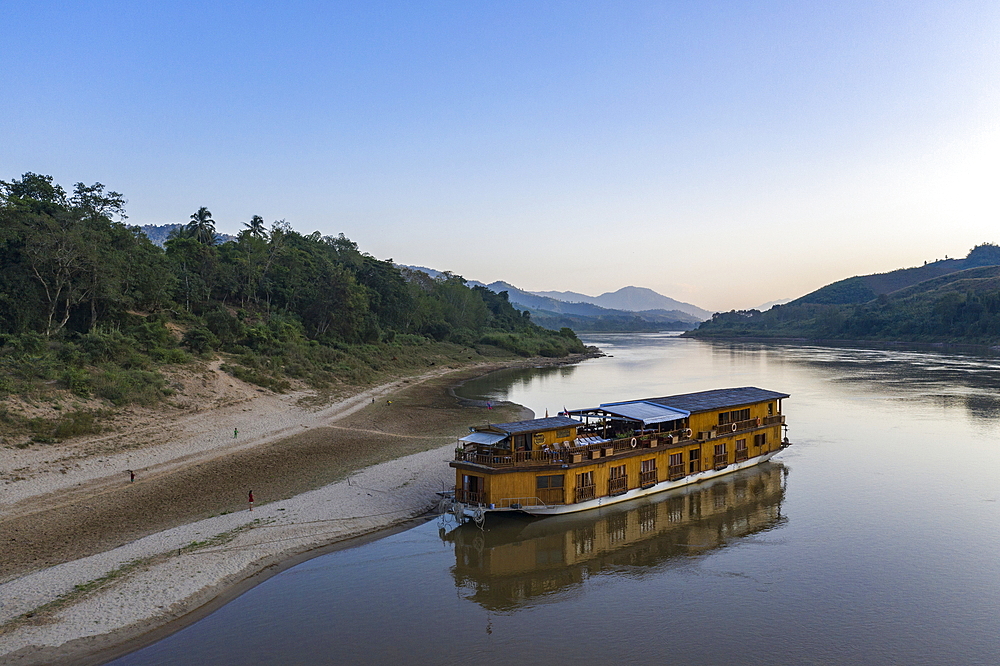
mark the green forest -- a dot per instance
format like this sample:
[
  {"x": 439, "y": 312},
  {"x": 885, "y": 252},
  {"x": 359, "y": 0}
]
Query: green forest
[
  {"x": 951, "y": 301},
  {"x": 90, "y": 304}
]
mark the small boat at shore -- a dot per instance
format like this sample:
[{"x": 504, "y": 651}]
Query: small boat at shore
[{"x": 588, "y": 458}]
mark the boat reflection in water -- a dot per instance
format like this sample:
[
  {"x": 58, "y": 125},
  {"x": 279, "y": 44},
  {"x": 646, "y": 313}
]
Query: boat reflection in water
[{"x": 515, "y": 562}]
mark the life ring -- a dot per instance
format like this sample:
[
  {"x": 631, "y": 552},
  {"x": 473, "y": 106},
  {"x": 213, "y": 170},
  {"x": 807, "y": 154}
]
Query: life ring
[
  {"x": 634, "y": 443},
  {"x": 758, "y": 421},
  {"x": 687, "y": 432},
  {"x": 734, "y": 427}
]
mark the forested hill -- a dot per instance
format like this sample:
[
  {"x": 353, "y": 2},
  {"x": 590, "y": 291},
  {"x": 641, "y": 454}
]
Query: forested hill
[
  {"x": 88, "y": 301},
  {"x": 956, "y": 300},
  {"x": 863, "y": 288}
]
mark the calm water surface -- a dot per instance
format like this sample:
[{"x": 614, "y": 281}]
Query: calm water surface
[{"x": 874, "y": 540}]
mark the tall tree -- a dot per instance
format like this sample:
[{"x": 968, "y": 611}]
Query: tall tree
[
  {"x": 255, "y": 227},
  {"x": 202, "y": 226}
]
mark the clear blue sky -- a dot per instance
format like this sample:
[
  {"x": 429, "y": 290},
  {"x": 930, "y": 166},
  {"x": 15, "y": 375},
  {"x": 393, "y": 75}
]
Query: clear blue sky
[{"x": 723, "y": 153}]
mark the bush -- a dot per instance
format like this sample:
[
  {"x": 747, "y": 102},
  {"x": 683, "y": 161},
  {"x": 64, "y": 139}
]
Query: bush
[
  {"x": 130, "y": 386},
  {"x": 77, "y": 380},
  {"x": 200, "y": 340}
]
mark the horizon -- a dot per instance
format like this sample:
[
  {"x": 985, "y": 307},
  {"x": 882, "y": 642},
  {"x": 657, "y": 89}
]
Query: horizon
[{"x": 722, "y": 155}]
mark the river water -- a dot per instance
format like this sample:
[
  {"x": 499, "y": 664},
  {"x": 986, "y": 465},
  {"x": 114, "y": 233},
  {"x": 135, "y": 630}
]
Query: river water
[{"x": 874, "y": 539}]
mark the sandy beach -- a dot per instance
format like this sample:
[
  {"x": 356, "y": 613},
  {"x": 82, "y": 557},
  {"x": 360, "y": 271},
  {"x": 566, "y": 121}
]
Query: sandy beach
[{"x": 94, "y": 564}]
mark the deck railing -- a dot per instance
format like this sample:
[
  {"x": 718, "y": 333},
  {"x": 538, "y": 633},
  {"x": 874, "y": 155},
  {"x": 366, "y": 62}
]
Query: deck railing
[
  {"x": 647, "y": 479},
  {"x": 568, "y": 454},
  {"x": 776, "y": 419},
  {"x": 617, "y": 485},
  {"x": 519, "y": 502},
  {"x": 721, "y": 460},
  {"x": 675, "y": 472},
  {"x": 469, "y": 496},
  {"x": 741, "y": 455},
  {"x": 584, "y": 493}
]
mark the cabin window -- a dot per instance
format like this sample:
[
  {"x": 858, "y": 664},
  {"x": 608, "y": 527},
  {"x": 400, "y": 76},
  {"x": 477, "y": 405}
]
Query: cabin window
[
  {"x": 521, "y": 443},
  {"x": 760, "y": 440},
  {"x": 618, "y": 483},
  {"x": 694, "y": 461},
  {"x": 553, "y": 481},
  {"x": 741, "y": 450},
  {"x": 472, "y": 489},
  {"x": 721, "y": 458},
  {"x": 585, "y": 489},
  {"x": 770, "y": 408},
  {"x": 647, "y": 473},
  {"x": 562, "y": 434},
  {"x": 734, "y": 416}
]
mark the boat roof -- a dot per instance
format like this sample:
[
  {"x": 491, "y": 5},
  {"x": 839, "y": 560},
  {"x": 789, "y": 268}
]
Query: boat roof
[
  {"x": 639, "y": 410},
  {"x": 485, "y": 438},
  {"x": 715, "y": 399},
  {"x": 532, "y": 425}
]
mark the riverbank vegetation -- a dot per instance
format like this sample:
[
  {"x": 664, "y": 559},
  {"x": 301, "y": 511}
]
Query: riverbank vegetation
[
  {"x": 90, "y": 305},
  {"x": 951, "y": 301}
]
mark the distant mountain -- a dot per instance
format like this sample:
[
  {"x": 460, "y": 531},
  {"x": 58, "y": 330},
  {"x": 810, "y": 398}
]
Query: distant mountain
[
  {"x": 159, "y": 233},
  {"x": 631, "y": 299},
  {"x": 533, "y": 302},
  {"x": 953, "y": 300},
  {"x": 555, "y": 314}
]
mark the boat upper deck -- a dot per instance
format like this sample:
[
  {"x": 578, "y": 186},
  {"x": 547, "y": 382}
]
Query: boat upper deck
[{"x": 590, "y": 444}]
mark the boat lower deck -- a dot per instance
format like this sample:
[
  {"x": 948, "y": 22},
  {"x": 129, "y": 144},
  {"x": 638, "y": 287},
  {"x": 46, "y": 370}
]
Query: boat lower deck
[{"x": 536, "y": 507}]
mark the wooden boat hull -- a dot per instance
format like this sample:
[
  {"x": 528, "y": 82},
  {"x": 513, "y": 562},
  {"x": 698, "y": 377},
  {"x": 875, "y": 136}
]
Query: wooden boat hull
[{"x": 477, "y": 512}]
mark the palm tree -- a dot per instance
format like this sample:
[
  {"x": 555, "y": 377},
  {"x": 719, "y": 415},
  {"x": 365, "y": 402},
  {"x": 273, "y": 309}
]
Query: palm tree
[
  {"x": 202, "y": 226},
  {"x": 255, "y": 227}
]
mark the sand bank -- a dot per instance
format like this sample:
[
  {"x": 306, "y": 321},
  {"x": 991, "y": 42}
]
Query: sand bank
[
  {"x": 92, "y": 561},
  {"x": 171, "y": 573}
]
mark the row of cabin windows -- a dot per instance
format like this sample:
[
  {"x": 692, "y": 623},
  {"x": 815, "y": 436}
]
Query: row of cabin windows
[
  {"x": 737, "y": 415},
  {"x": 734, "y": 416},
  {"x": 586, "y": 479}
]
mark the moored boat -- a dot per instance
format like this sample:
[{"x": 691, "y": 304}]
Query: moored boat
[{"x": 587, "y": 458}]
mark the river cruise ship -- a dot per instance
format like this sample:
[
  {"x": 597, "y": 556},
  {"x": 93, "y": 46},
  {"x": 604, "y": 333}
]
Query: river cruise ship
[{"x": 587, "y": 458}]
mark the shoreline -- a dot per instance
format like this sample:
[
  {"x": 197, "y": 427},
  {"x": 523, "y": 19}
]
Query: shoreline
[
  {"x": 959, "y": 347},
  {"x": 148, "y": 587}
]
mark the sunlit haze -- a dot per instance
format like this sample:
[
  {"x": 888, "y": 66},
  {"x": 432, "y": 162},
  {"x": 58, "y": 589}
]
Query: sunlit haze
[{"x": 721, "y": 153}]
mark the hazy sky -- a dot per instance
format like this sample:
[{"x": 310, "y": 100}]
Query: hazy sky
[{"x": 722, "y": 153}]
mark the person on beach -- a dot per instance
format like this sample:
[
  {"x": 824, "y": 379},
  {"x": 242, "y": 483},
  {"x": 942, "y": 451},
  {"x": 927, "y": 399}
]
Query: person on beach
[
  {"x": 131, "y": 476},
  {"x": 235, "y": 432},
  {"x": 250, "y": 498}
]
